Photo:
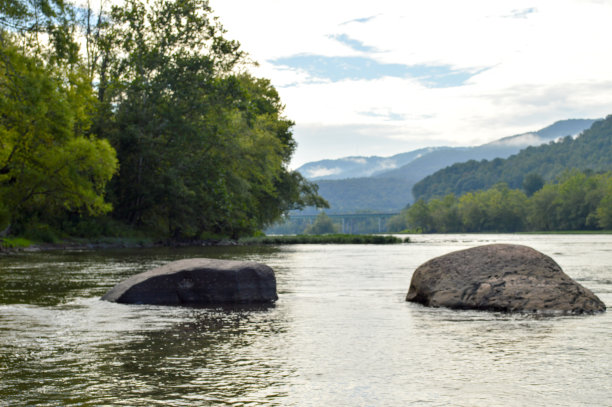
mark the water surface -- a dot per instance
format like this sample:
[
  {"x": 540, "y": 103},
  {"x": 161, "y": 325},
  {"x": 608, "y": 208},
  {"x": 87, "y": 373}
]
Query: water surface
[{"x": 340, "y": 334}]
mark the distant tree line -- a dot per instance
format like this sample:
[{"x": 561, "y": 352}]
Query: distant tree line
[
  {"x": 591, "y": 150},
  {"x": 576, "y": 200},
  {"x": 356, "y": 224},
  {"x": 143, "y": 112}
]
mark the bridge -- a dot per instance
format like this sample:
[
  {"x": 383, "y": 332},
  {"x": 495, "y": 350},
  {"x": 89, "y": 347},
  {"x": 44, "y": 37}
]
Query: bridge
[{"x": 352, "y": 223}]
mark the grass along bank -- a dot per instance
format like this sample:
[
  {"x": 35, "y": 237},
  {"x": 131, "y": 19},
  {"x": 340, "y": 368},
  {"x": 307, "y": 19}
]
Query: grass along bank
[
  {"x": 13, "y": 244},
  {"x": 323, "y": 239}
]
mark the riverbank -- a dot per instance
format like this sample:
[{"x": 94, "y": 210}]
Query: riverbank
[
  {"x": 323, "y": 239},
  {"x": 17, "y": 244}
]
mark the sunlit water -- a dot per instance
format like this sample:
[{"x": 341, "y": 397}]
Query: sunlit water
[{"x": 340, "y": 334}]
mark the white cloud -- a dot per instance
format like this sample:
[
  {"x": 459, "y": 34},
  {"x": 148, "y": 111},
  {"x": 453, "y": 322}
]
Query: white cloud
[
  {"x": 357, "y": 160},
  {"x": 528, "y": 139},
  {"x": 536, "y": 62},
  {"x": 317, "y": 172}
]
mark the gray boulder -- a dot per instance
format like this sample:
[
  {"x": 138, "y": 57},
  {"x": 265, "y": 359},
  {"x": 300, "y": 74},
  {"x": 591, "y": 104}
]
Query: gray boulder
[
  {"x": 500, "y": 277},
  {"x": 198, "y": 282}
]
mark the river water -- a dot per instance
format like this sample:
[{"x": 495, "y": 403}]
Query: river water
[{"x": 340, "y": 334}]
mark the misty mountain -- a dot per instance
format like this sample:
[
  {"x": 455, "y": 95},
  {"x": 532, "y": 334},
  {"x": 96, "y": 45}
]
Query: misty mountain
[
  {"x": 391, "y": 190},
  {"x": 358, "y": 167},
  {"x": 589, "y": 151},
  {"x": 502, "y": 148}
]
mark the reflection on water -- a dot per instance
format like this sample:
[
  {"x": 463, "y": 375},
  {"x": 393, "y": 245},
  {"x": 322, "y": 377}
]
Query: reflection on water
[{"x": 340, "y": 334}]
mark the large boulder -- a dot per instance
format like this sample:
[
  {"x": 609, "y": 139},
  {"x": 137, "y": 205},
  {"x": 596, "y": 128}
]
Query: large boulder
[
  {"x": 500, "y": 277},
  {"x": 198, "y": 282}
]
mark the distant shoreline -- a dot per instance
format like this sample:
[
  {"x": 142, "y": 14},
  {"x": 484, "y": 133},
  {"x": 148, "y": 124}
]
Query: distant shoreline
[
  {"x": 388, "y": 238},
  {"x": 102, "y": 244}
]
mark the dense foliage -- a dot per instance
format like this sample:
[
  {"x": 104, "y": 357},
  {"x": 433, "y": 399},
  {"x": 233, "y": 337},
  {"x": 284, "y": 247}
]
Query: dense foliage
[
  {"x": 358, "y": 194},
  {"x": 156, "y": 91},
  {"x": 322, "y": 225},
  {"x": 50, "y": 162},
  {"x": 576, "y": 201},
  {"x": 591, "y": 150}
]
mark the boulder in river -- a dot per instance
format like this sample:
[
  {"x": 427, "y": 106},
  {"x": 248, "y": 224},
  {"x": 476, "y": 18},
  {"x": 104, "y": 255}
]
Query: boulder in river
[
  {"x": 500, "y": 277},
  {"x": 198, "y": 282}
]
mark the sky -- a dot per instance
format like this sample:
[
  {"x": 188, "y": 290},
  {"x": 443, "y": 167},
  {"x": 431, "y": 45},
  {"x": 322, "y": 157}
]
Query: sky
[{"x": 363, "y": 78}]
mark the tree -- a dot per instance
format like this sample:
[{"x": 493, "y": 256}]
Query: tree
[
  {"x": 49, "y": 162},
  {"x": 321, "y": 226},
  {"x": 444, "y": 214},
  {"x": 507, "y": 209},
  {"x": 575, "y": 200},
  {"x": 201, "y": 146},
  {"x": 604, "y": 209},
  {"x": 532, "y": 183},
  {"x": 473, "y": 213},
  {"x": 46, "y": 27},
  {"x": 397, "y": 223},
  {"x": 420, "y": 218},
  {"x": 543, "y": 207}
]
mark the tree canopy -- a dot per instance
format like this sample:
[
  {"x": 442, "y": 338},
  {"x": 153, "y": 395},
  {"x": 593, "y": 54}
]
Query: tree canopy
[
  {"x": 322, "y": 225},
  {"x": 576, "y": 200},
  {"x": 153, "y": 95},
  {"x": 49, "y": 161}
]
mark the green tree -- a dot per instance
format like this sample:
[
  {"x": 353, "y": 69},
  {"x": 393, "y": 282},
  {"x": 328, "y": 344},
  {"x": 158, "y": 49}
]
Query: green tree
[
  {"x": 46, "y": 27},
  {"x": 444, "y": 214},
  {"x": 543, "y": 208},
  {"x": 604, "y": 209},
  {"x": 201, "y": 147},
  {"x": 397, "y": 223},
  {"x": 49, "y": 162},
  {"x": 578, "y": 198},
  {"x": 473, "y": 212},
  {"x": 505, "y": 209},
  {"x": 420, "y": 218},
  {"x": 532, "y": 183},
  {"x": 321, "y": 226}
]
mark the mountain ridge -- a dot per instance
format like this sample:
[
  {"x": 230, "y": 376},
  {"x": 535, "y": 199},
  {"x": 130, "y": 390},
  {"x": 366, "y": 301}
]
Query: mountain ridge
[
  {"x": 391, "y": 190},
  {"x": 358, "y": 166},
  {"x": 589, "y": 151}
]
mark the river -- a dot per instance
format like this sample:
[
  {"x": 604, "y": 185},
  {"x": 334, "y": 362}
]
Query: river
[{"x": 340, "y": 334}]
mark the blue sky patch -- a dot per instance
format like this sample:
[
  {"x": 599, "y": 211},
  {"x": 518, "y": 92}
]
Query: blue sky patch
[
  {"x": 353, "y": 43},
  {"x": 360, "y": 20},
  {"x": 363, "y": 68}
]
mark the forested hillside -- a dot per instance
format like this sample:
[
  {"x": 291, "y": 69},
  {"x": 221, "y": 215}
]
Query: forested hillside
[
  {"x": 392, "y": 190},
  {"x": 141, "y": 112},
  {"x": 502, "y": 148},
  {"x": 358, "y": 194},
  {"x": 575, "y": 200},
  {"x": 590, "y": 151}
]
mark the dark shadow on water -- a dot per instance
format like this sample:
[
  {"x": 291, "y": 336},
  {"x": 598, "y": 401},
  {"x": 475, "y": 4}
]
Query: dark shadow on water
[{"x": 56, "y": 277}]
